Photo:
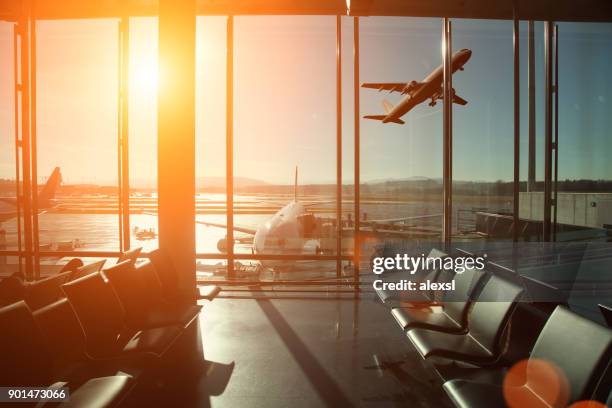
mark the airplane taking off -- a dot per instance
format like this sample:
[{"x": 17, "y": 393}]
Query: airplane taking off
[
  {"x": 418, "y": 92},
  {"x": 8, "y": 205}
]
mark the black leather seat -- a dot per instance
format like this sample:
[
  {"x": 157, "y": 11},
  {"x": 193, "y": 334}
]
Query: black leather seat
[
  {"x": 45, "y": 291},
  {"x": 87, "y": 269},
  {"x": 141, "y": 295},
  {"x": 65, "y": 341},
  {"x": 131, "y": 255},
  {"x": 453, "y": 316},
  {"x": 606, "y": 312},
  {"x": 28, "y": 360},
  {"x": 167, "y": 274},
  {"x": 12, "y": 289},
  {"x": 579, "y": 349},
  {"x": 486, "y": 323},
  {"x": 103, "y": 320},
  {"x": 101, "y": 392}
]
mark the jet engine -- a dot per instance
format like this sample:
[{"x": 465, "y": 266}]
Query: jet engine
[
  {"x": 409, "y": 87},
  {"x": 222, "y": 245}
]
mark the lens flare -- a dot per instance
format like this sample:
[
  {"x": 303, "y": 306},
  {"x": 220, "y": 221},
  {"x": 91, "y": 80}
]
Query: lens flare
[{"x": 536, "y": 383}]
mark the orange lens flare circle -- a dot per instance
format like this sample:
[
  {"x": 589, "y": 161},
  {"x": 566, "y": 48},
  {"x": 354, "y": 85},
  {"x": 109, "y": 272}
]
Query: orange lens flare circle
[
  {"x": 587, "y": 404},
  {"x": 536, "y": 383}
]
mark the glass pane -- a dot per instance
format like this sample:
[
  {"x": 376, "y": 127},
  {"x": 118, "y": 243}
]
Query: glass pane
[
  {"x": 285, "y": 117},
  {"x": 483, "y": 128},
  {"x": 142, "y": 133},
  {"x": 531, "y": 188},
  {"x": 8, "y": 209},
  {"x": 211, "y": 77},
  {"x": 584, "y": 210},
  {"x": 401, "y": 164},
  {"x": 77, "y": 132},
  {"x": 348, "y": 138}
]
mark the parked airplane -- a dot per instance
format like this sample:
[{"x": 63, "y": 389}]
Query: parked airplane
[
  {"x": 8, "y": 205},
  {"x": 418, "y": 92},
  {"x": 288, "y": 231}
]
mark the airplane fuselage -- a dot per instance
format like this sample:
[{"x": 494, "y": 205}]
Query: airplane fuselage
[
  {"x": 282, "y": 234},
  {"x": 432, "y": 85}
]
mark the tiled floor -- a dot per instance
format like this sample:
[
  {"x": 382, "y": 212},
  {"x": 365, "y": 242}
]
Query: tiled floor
[{"x": 306, "y": 353}]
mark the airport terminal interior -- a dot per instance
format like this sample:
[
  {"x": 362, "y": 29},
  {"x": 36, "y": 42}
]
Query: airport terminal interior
[{"x": 213, "y": 203}]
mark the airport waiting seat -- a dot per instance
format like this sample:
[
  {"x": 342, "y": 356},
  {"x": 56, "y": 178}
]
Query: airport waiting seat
[
  {"x": 579, "y": 349},
  {"x": 65, "y": 342},
  {"x": 45, "y": 291},
  {"x": 486, "y": 323},
  {"x": 12, "y": 289},
  {"x": 27, "y": 361},
  {"x": 103, "y": 320},
  {"x": 168, "y": 277},
  {"x": 22, "y": 352},
  {"x": 453, "y": 315},
  {"x": 393, "y": 298},
  {"x": 131, "y": 255},
  {"x": 87, "y": 269},
  {"x": 72, "y": 265},
  {"x": 141, "y": 294},
  {"x": 606, "y": 312}
]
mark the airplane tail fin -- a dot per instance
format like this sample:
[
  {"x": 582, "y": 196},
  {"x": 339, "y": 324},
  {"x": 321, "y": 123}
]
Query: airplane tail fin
[
  {"x": 383, "y": 117},
  {"x": 48, "y": 192},
  {"x": 295, "y": 185},
  {"x": 387, "y": 106}
]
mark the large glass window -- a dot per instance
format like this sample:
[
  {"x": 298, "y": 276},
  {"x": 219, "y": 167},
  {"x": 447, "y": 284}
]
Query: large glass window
[
  {"x": 584, "y": 209},
  {"x": 285, "y": 119},
  {"x": 142, "y": 132},
  {"x": 401, "y": 164},
  {"x": 77, "y": 96},
  {"x": 211, "y": 198},
  {"x": 8, "y": 213},
  {"x": 483, "y": 155}
]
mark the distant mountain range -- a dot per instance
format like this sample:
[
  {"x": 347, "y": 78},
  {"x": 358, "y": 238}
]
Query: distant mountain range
[{"x": 219, "y": 182}]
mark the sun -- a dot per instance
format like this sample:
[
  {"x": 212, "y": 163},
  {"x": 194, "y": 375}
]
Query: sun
[{"x": 145, "y": 77}]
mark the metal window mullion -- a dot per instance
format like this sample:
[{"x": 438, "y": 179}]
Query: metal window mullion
[
  {"x": 548, "y": 145},
  {"x": 556, "y": 127},
  {"x": 125, "y": 157},
  {"x": 338, "y": 145},
  {"x": 447, "y": 136},
  {"x": 229, "y": 147},
  {"x": 357, "y": 158},
  {"x": 119, "y": 127},
  {"x": 25, "y": 137},
  {"x": 17, "y": 90},
  {"x": 34, "y": 149},
  {"x": 517, "y": 130}
]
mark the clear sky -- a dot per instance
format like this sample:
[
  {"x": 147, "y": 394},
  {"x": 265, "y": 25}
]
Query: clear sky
[{"x": 285, "y": 94}]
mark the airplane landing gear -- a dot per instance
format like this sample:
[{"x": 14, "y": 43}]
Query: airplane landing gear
[{"x": 432, "y": 103}]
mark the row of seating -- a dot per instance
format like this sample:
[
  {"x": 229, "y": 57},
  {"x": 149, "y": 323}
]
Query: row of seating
[
  {"x": 467, "y": 335},
  {"x": 111, "y": 329},
  {"x": 47, "y": 290}
]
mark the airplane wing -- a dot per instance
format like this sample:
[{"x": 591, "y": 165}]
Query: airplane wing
[
  {"x": 388, "y": 86},
  {"x": 245, "y": 230}
]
